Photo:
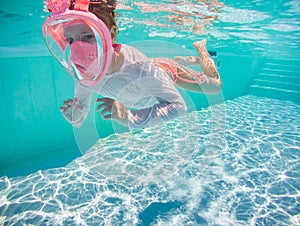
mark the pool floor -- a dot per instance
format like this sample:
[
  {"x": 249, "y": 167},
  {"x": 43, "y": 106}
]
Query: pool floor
[{"x": 239, "y": 168}]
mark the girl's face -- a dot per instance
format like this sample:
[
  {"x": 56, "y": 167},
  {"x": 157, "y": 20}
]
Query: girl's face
[
  {"x": 83, "y": 50},
  {"x": 79, "y": 32}
]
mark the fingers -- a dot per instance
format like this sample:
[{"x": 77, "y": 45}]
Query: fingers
[
  {"x": 62, "y": 109},
  {"x": 68, "y": 102},
  {"x": 71, "y": 103},
  {"x": 107, "y": 113},
  {"x": 107, "y": 103},
  {"x": 106, "y": 100},
  {"x": 111, "y": 109},
  {"x": 108, "y": 116},
  {"x": 106, "y": 108}
]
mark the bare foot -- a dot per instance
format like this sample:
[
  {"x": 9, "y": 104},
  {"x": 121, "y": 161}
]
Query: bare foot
[
  {"x": 206, "y": 62},
  {"x": 200, "y": 46}
]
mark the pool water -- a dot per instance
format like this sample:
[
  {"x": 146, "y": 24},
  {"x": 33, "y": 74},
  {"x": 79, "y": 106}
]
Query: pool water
[
  {"x": 159, "y": 177},
  {"x": 234, "y": 159}
]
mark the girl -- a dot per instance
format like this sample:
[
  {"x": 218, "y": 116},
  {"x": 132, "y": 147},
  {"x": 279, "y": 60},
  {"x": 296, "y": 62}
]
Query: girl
[{"x": 137, "y": 91}]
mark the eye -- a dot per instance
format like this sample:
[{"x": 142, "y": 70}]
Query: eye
[
  {"x": 70, "y": 40},
  {"x": 88, "y": 38}
]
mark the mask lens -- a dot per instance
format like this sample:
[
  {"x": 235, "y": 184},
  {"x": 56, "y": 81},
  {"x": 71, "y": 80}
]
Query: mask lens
[
  {"x": 78, "y": 46},
  {"x": 56, "y": 43}
]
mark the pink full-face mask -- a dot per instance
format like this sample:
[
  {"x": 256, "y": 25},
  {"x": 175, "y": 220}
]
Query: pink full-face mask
[
  {"x": 84, "y": 57},
  {"x": 78, "y": 40}
]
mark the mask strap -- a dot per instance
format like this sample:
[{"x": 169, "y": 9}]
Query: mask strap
[{"x": 82, "y": 5}]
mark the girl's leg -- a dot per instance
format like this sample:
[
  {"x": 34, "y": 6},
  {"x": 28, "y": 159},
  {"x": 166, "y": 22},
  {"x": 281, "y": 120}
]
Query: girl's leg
[
  {"x": 212, "y": 80},
  {"x": 187, "y": 60},
  {"x": 206, "y": 62}
]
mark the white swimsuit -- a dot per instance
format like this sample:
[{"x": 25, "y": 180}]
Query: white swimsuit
[{"x": 146, "y": 91}]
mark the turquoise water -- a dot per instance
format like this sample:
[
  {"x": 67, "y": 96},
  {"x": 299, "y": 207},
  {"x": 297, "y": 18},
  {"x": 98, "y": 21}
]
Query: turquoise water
[
  {"x": 175, "y": 174},
  {"x": 232, "y": 160}
]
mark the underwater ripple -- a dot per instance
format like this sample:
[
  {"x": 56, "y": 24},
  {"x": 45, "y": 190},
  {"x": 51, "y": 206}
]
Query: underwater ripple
[{"x": 155, "y": 176}]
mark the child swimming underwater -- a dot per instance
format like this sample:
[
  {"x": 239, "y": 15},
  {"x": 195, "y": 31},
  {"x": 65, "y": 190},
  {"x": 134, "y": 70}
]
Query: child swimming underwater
[{"x": 137, "y": 91}]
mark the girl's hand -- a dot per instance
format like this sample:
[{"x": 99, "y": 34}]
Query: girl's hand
[
  {"x": 72, "y": 111},
  {"x": 70, "y": 103},
  {"x": 112, "y": 109}
]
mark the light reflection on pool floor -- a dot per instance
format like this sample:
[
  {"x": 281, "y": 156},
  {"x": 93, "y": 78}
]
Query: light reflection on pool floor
[{"x": 156, "y": 176}]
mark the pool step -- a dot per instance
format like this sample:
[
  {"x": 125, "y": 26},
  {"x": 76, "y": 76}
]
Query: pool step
[
  {"x": 286, "y": 85},
  {"x": 289, "y": 73},
  {"x": 277, "y": 93},
  {"x": 278, "y": 79},
  {"x": 282, "y": 67},
  {"x": 292, "y": 78},
  {"x": 288, "y": 63}
]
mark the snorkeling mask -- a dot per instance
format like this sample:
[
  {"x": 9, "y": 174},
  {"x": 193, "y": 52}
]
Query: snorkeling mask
[{"x": 79, "y": 40}]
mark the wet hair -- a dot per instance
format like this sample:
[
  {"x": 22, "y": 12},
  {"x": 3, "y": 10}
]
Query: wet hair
[
  {"x": 107, "y": 16},
  {"x": 105, "y": 11}
]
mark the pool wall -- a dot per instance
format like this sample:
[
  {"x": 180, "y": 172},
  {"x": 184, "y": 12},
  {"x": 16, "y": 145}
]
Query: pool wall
[
  {"x": 35, "y": 135},
  {"x": 277, "y": 78}
]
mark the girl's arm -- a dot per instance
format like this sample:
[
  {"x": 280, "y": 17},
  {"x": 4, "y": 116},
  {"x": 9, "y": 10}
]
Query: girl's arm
[
  {"x": 76, "y": 110},
  {"x": 138, "y": 84}
]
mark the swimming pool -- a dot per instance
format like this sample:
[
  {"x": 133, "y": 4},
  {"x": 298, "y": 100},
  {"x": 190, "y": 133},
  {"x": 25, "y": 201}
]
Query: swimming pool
[{"x": 232, "y": 160}]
